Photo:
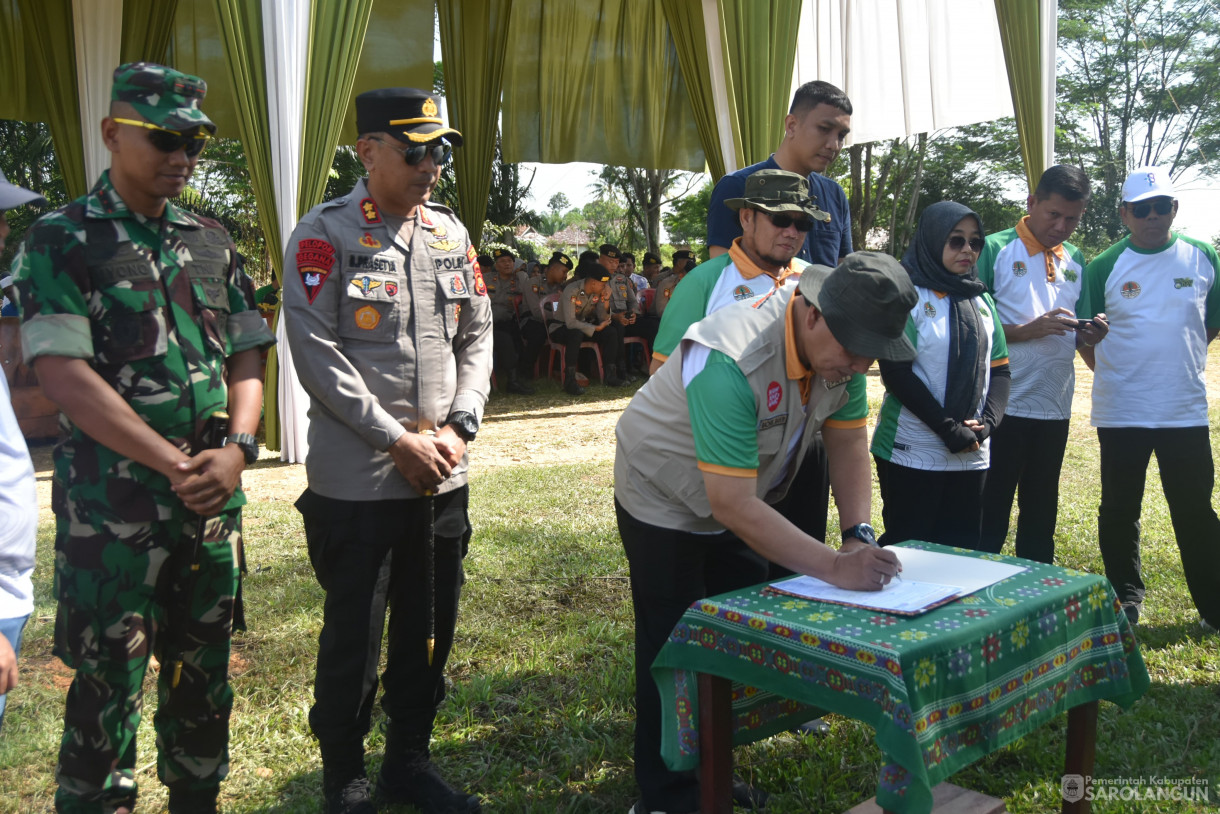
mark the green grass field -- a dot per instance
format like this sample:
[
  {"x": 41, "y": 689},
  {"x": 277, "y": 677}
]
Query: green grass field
[{"x": 539, "y": 717}]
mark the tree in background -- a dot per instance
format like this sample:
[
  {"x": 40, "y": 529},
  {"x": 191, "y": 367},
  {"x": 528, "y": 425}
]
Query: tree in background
[
  {"x": 686, "y": 222},
  {"x": 28, "y": 160},
  {"x": 1138, "y": 84},
  {"x": 643, "y": 192}
]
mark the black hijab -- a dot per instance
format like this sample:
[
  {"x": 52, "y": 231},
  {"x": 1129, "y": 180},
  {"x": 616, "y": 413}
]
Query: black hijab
[{"x": 924, "y": 261}]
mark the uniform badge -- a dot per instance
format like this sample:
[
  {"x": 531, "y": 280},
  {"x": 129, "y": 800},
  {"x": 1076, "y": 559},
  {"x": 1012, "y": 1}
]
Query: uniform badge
[
  {"x": 429, "y": 107},
  {"x": 366, "y": 283},
  {"x": 371, "y": 242},
  {"x": 457, "y": 312},
  {"x": 774, "y": 394},
  {"x": 368, "y": 318},
  {"x": 456, "y": 286},
  {"x": 439, "y": 230},
  {"x": 622, "y": 291},
  {"x": 742, "y": 292},
  {"x": 1130, "y": 290},
  {"x": 929, "y": 310},
  {"x": 668, "y": 291},
  {"x": 391, "y": 289},
  {"x": 472, "y": 255},
  {"x": 424, "y": 219},
  {"x": 443, "y": 244},
  {"x": 315, "y": 258},
  {"x": 774, "y": 421},
  {"x": 368, "y": 208},
  {"x": 480, "y": 287},
  {"x": 1018, "y": 269},
  {"x": 1070, "y": 275},
  {"x": 1183, "y": 282}
]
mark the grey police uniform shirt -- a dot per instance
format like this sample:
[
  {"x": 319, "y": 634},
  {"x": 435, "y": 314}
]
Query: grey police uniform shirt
[
  {"x": 387, "y": 337},
  {"x": 580, "y": 310},
  {"x": 622, "y": 294},
  {"x": 501, "y": 292}
]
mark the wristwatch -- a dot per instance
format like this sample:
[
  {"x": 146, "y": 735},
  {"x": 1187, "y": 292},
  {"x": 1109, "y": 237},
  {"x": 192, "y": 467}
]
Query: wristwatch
[
  {"x": 861, "y": 531},
  {"x": 464, "y": 424},
  {"x": 249, "y": 446}
]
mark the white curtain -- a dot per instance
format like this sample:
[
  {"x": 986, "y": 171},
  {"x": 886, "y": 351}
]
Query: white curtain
[
  {"x": 908, "y": 66},
  {"x": 1049, "y": 20},
  {"x": 98, "y": 31},
  {"x": 720, "y": 95},
  {"x": 285, "y": 43}
]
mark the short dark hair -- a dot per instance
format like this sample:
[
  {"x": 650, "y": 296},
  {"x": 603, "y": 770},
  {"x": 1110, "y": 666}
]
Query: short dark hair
[
  {"x": 1064, "y": 180},
  {"x": 811, "y": 94}
]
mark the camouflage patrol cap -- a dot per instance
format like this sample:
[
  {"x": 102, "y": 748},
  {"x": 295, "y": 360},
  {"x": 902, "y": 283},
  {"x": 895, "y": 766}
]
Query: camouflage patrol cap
[{"x": 164, "y": 96}]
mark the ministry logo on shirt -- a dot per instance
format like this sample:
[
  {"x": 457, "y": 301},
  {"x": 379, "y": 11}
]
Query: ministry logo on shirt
[
  {"x": 742, "y": 292},
  {"x": 1130, "y": 290},
  {"x": 1018, "y": 269}
]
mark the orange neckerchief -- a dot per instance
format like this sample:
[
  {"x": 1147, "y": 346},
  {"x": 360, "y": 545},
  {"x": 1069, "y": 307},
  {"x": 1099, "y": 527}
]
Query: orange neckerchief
[
  {"x": 1034, "y": 247},
  {"x": 795, "y": 369},
  {"x": 750, "y": 271}
]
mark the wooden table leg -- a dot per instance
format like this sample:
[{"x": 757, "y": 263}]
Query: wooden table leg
[
  {"x": 1081, "y": 749},
  {"x": 715, "y": 745}
]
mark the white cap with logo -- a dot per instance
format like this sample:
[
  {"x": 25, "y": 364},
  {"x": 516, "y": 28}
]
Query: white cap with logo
[{"x": 1147, "y": 182}]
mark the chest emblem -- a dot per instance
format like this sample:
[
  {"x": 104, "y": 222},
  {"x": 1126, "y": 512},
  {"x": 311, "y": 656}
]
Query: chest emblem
[
  {"x": 443, "y": 244},
  {"x": 371, "y": 242},
  {"x": 391, "y": 289},
  {"x": 366, "y": 283},
  {"x": 368, "y": 209},
  {"x": 929, "y": 310},
  {"x": 742, "y": 292},
  {"x": 314, "y": 261},
  {"x": 1183, "y": 282},
  {"x": 456, "y": 285},
  {"x": 774, "y": 394},
  {"x": 367, "y": 318},
  {"x": 1130, "y": 290},
  {"x": 1018, "y": 269},
  {"x": 1070, "y": 275}
]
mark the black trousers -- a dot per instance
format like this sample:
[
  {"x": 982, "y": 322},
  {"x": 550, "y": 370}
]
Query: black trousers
[
  {"x": 506, "y": 347},
  {"x": 807, "y": 504},
  {"x": 936, "y": 507},
  {"x": 1184, "y": 456},
  {"x": 533, "y": 338},
  {"x": 367, "y": 555},
  {"x": 1026, "y": 458},
  {"x": 645, "y": 326},
  {"x": 670, "y": 570},
  {"x": 608, "y": 339}
]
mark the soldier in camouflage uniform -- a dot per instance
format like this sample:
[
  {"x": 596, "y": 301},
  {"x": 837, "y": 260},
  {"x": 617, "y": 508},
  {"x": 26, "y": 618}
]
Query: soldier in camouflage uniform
[
  {"x": 583, "y": 316},
  {"x": 134, "y": 309}
]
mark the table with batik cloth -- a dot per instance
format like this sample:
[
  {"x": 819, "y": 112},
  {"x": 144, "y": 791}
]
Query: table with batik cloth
[{"x": 941, "y": 689}]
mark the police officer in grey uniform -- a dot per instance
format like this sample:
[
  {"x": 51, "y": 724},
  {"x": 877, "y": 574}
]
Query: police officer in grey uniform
[
  {"x": 390, "y": 329},
  {"x": 546, "y": 281},
  {"x": 503, "y": 287},
  {"x": 583, "y": 316}
]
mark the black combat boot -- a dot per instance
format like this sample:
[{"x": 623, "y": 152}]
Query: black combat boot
[
  {"x": 569, "y": 382},
  {"x": 185, "y": 800},
  {"x": 515, "y": 385},
  {"x": 409, "y": 777},
  {"x": 344, "y": 783}
]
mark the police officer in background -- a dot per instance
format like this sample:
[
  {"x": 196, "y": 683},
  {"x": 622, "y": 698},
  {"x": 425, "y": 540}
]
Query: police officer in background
[
  {"x": 503, "y": 287},
  {"x": 584, "y": 316},
  {"x": 134, "y": 311},
  {"x": 391, "y": 333}
]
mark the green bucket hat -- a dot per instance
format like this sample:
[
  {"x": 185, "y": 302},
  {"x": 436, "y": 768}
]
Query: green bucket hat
[
  {"x": 778, "y": 191},
  {"x": 865, "y": 300},
  {"x": 164, "y": 96}
]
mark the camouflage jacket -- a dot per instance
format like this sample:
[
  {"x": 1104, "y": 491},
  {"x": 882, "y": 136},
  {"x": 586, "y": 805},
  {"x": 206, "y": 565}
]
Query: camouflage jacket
[{"x": 155, "y": 306}]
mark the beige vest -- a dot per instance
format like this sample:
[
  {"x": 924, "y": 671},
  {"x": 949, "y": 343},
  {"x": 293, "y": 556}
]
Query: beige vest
[{"x": 655, "y": 474}]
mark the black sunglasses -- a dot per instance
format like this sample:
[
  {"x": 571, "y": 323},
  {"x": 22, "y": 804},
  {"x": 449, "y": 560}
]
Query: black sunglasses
[
  {"x": 784, "y": 221},
  {"x": 1163, "y": 206},
  {"x": 171, "y": 141},
  {"x": 439, "y": 150},
  {"x": 957, "y": 242}
]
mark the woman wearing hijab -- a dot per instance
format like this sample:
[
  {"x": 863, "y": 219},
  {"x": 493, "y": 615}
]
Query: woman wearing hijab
[{"x": 930, "y": 444}]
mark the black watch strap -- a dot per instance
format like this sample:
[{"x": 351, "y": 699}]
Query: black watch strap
[
  {"x": 248, "y": 444},
  {"x": 861, "y": 531},
  {"x": 464, "y": 424}
]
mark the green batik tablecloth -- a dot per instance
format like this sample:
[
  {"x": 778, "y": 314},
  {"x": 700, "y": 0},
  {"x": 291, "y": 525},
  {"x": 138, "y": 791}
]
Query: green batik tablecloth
[{"x": 942, "y": 689}]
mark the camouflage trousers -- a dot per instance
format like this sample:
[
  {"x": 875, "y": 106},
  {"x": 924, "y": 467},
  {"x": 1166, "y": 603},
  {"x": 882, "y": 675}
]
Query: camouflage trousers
[{"x": 121, "y": 589}]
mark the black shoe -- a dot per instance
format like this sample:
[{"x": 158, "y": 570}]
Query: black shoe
[
  {"x": 350, "y": 798},
  {"x": 520, "y": 388},
  {"x": 421, "y": 785},
  {"x": 817, "y": 726},
  {"x": 747, "y": 796},
  {"x": 184, "y": 800},
  {"x": 1132, "y": 612},
  {"x": 570, "y": 385},
  {"x": 626, "y": 375},
  {"x": 612, "y": 380}
]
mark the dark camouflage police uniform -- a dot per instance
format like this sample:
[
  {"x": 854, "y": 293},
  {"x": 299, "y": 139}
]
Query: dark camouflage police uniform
[{"x": 155, "y": 306}]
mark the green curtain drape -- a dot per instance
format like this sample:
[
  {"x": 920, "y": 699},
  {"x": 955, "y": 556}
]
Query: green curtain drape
[
  {"x": 148, "y": 26},
  {"x": 596, "y": 81},
  {"x": 336, "y": 38},
  {"x": 474, "y": 40},
  {"x": 1020, "y": 32},
  {"x": 49, "y": 33},
  {"x": 689, "y": 35},
  {"x": 758, "y": 38}
]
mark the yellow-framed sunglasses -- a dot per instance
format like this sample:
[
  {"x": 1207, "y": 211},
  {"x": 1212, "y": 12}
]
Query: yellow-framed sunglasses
[{"x": 171, "y": 141}]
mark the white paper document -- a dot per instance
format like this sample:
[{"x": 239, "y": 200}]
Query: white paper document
[{"x": 929, "y": 579}]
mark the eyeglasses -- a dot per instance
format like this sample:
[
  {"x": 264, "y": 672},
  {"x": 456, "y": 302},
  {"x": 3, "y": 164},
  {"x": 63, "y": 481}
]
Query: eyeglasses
[
  {"x": 957, "y": 243},
  {"x": 1163, "y": 206},
  {"x": 784, "y": 221},
  {"x": 439, "y": 150},
  {"x": 171, "y": 141}
]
